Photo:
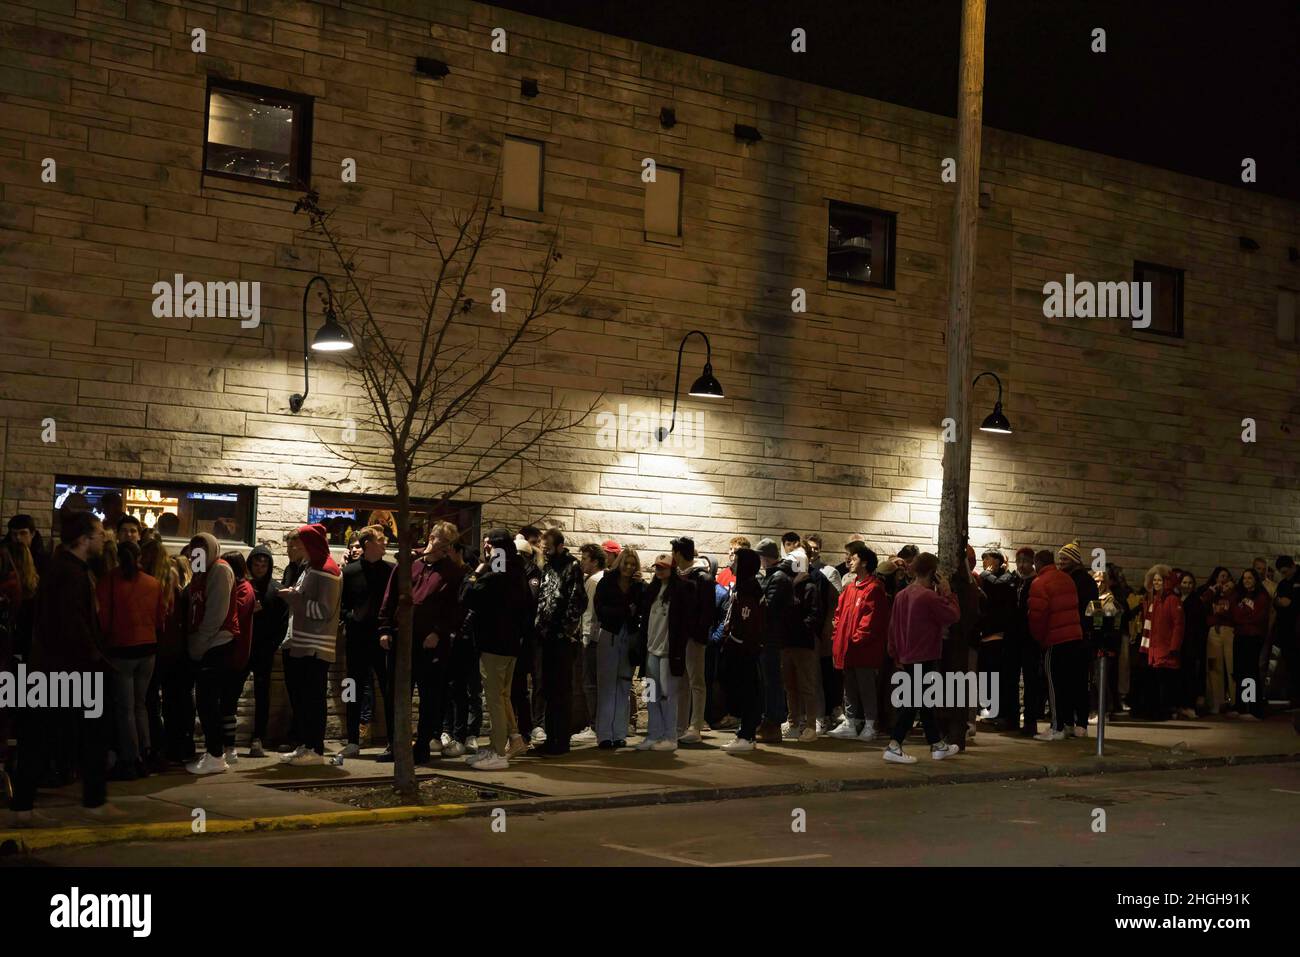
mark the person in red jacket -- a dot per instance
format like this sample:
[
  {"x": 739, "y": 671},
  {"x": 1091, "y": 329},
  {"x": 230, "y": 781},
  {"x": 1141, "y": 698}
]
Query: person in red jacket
[
  {"x": 1162, "y": 639},
  {"x": 1250, "y": 610},
  {"x": 132, "y": 610},
  {"x": 918, "y": 622},
  {"x": 1054, "y": 624},
  {"x": 245, "y": 604},
  {"x": 858, "y": 642}
]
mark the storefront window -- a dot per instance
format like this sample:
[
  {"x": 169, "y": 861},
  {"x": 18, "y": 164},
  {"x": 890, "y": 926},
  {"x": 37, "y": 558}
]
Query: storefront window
[
  {"x": 178, "y": 511},
  {"x": 343, "y": 514}
]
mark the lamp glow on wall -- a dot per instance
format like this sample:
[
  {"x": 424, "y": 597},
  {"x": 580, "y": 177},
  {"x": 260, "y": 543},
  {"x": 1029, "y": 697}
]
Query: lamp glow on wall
[
  {"x": 995, "y": 421},
  {"x": 330, "y": 337},
  {"x": 705, "y": 387}
]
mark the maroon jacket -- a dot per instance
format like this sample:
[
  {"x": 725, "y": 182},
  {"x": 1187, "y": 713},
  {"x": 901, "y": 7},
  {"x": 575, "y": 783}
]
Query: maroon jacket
[
  {"x": 917, "y": 622},
  {"x": 435, "y": 604},
  {"x": 1250, "y": 612}
]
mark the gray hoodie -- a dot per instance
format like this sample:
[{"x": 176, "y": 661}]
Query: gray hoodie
[{"x": 208, "y": 630}]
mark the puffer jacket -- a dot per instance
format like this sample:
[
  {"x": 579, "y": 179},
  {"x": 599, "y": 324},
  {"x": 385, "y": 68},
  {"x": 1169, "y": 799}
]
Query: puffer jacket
[{"x": 1054, "y": 608}]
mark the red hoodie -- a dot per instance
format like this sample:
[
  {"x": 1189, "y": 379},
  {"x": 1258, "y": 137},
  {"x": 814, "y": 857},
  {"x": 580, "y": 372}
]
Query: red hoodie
[
  {"x": 245, "y": 598},
  {"x": 861, "y": 625}
]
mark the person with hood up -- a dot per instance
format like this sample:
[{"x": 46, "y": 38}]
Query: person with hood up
[
  {"x": 270, "y": 621},
  {"x": 742, "y": 644},
  {"x": 496, "y": 593},
  {"x": 918, "y": 622},
  {"x": 293, "y": 569},
  {"x": 617, "y": 601},
  {"x": 861, "y": 633},
  {"x": 313, "y": 602},
  {"x": 560, "y": 605},
  {"x": 800, "y": 664},
  {"x": 1162, "y": 640},
  {"x": 210, "y": 642}
]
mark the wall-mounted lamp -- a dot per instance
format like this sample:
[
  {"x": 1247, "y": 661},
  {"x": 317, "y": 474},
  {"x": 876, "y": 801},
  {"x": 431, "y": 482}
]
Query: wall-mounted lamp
[
  {"x": 1248, "y": 244},
  {"x": 430, "y": 67},
  {"x": 747, "y": 134},
  {"x": 331, "y": 337},
  {"x": 667, "y": 117},
  {"x": 995, "y": 421},
  {"x": 528, "y": 87},
  {"x": 705, "y": 387}
]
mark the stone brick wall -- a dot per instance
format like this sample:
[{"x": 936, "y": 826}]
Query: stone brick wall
[{"x": 831, "y": 420}]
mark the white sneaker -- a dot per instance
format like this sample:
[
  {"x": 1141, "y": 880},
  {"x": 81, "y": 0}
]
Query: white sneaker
[
  {"x": 1050, "y": 735},
  {"x": 646, "y": 744},
  {"x": 944, "y": 750},
  {"x": 847, "y": 730},
  {"x": 807, "y": 736},
  {"x": 516, "y": 746},
  {"x": 821, "y": 726},
  {"x": 307, "y": 759},
  {"x": 737, "y": 745},
  {"x": 350, "y": 750},
  {"x": 453, "y": 750},
  {"x": 868, "y": 732},
  {"x": 790, "y": 732},
  {"x": 231, "y": 756},
  {"x": 1080, "y": 731},
  {"x": 255, "y": 750},
  {"x": 985, "y": 714},
  {"x": 290, "y": 755},
  {"x": 207, "y": 764},
  {"x": 471, "y": 743},
  {"x": 691, "y": 736},
  {"x": 445, "y": 739},
  {"x": 539, "y": 735},
  {"x": 1187, "y": 713},
  {"x": 896, "y": 754},
  {"x": 586, "y": 734},
  {"x": 667, "y": 744},
  {"x": 491, "y": 761}
]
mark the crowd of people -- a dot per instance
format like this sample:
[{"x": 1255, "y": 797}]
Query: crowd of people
[{"x": 515, "y": 632}]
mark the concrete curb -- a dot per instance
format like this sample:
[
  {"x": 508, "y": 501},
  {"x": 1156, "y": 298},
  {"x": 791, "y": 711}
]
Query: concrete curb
[{"x": 26, "y": 841}]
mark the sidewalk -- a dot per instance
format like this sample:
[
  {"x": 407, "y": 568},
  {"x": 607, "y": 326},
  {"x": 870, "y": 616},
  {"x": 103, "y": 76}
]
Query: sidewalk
[{"x": 163, "y": 806}]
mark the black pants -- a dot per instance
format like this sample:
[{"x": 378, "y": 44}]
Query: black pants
[
  {"x": 1031, "y": 662},
  {"x": 906, "y": 716},
  {"x": 211, "y": 686},
  {"x": 293, "y": 689},
  {"x": 364, "y": 658},
  {"x": 261, "y": 660},
  {"x": 999, "y": 657},
  {"x": 742, "y": 685},
  {"x": 463, "y": 715},
  {"x": 832, "y": 686},
  {"x": 39, "y": 732},
  {"x": 520, "y": 700},
  {"x": 1246, "y": 650},
  {"x": 153, "y": 705},
  {"x": 1067, "y": 675},
  {"x": 429, "y": 678},
  {"x": 308, "y": 676},
  {"x": 176, "y": 682},
  {"x": 715, "y": 695},
  {"x": 230, "y": 695},
  {"x": 557, "y": 679}
]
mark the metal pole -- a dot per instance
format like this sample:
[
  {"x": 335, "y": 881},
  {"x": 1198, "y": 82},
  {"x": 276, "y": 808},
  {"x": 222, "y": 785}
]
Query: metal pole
[{"x": 1101, "y": 704}]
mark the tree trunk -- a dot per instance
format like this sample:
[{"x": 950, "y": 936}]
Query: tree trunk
[
  {"x": 403, "y": 759},
  {"x": 953, "y": 506}
]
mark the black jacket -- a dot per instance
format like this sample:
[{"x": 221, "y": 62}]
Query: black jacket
[
  {"x": 66, "y": 628},
  {"x": 810, "y": 609},
  {"x": 742, "y": 629},
  {"x": 364, "y": 585},
  {"x": 501, "y": 607},
  {"x": 1001, "y": 593},
  {"x": 702, "y": 601},
  {"x": 562, "y": 599},
  {"x": 1087, "y": 589},
  {"x": 780, "y": 614},
  {"x": 614, "y": 609},
  {"x": 272, "y": 622}
]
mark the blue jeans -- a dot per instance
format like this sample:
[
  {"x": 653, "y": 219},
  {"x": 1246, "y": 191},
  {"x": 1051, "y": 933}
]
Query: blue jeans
[
  {"x": 662, "y": 707},
  {"x": 613, "y": 681},
  {"x": 774, "y": 711},
  {"x": 130, "y": 677}
]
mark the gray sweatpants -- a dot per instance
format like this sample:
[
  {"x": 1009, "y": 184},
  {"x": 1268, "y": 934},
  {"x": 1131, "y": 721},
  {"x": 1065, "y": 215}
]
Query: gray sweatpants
[{"x": 860, "y": 695}]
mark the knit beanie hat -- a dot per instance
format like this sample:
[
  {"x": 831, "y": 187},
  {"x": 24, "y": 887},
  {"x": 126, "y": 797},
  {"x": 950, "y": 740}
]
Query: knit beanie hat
[
  {"x": 768, "y": 548},
  {"x": 1070, "y": 552}
]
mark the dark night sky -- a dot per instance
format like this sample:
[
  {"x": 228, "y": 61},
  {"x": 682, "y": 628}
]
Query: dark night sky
[{"x": 1186, "y": 85}]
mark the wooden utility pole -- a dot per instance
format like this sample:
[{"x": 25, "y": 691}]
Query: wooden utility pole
[{"x": 953, "y": 506}]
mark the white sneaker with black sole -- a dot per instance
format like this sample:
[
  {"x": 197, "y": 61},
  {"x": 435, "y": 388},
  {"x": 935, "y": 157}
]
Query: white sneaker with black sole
[
  {"x": 453, "y": 750},
  {"x": 738, "y": 745},
  {"x": 538, "y": 735},
  {"x": 897, "y": 755},
  {"x": 583, "y": 736}
]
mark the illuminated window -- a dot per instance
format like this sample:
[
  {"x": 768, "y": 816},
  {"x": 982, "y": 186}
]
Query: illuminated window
[
  {"x": 258, "y": 133},
  {"x": 860, "y": 245},
  {"x": 178, "y": 510}
]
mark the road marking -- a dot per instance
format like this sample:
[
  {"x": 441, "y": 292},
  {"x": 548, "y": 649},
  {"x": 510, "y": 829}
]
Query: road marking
[
  {"x": 1016, "y": 820},
  {"x": 686, "y": 860},
  {"x": 1284, "y": 791}
]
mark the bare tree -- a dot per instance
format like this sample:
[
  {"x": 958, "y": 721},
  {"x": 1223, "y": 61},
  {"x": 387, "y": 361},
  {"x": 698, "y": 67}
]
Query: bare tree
[{"x": 429, "y": 388}]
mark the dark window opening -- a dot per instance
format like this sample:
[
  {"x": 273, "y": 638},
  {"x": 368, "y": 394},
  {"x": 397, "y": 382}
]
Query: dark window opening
[
  {"x": 860, "y": 245},
  {"x": 1166, "y": 302}
]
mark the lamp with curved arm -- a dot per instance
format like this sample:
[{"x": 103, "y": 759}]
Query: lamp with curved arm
[
  {"x": 705, "y": 387},
  {"x": 331, "y": 337},
  {"x": 995, "y": 421}
]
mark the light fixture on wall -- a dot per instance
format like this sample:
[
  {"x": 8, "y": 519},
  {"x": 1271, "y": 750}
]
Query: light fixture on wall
[
  {"x": 995, "y": 421},
  {"x": 705, "y": 387},
  {"x": 331, "y": 337},
  {"x": 1248, "y": 244},
  {"x": 431, "y": 67},
  {"x": 746, "y": 133}
]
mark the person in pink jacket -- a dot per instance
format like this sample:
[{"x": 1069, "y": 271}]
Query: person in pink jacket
[{"x": 918, "y": 621}]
